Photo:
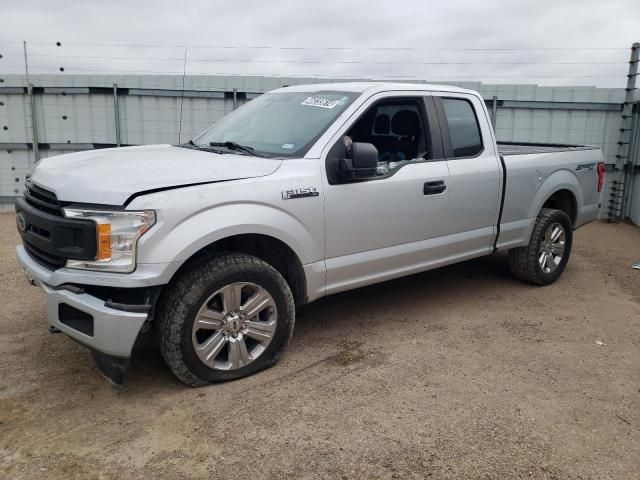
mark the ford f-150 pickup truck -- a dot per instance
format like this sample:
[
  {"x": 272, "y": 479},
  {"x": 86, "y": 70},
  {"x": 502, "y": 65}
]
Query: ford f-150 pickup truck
[{"x": 302, "y": 192}]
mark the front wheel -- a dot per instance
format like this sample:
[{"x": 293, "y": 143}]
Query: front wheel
[
  {"x": 226, "y": 318},
  {"x": 545, "y": 258}
]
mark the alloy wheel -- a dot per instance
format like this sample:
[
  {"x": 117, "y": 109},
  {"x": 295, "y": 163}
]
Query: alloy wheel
[
  {"x": 552, "y": 248},
  {"x": 234, "y": 326}
]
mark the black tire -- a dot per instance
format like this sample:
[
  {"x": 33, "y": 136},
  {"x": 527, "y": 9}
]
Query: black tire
[
  {"x": 523, "y": 261},
  {"x": 178, "y": 310}
]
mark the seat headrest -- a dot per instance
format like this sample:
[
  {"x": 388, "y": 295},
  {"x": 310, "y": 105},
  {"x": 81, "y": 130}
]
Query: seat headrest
[
  {"x": 382, "y": 125},
  {"x": 405, "y": 122}
]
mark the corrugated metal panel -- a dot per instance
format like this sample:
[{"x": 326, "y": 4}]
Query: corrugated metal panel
[
  {"x": 147, "y": 120},
  {"x": 558, "y": 126},
  {"x": 75, "y": 118},
  {"x": 15, "y": 164},
  {"x": 15, "y": 119}
]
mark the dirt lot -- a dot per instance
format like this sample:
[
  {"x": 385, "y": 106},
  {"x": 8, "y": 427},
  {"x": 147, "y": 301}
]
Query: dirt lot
[{"x": 462, "y": 372}]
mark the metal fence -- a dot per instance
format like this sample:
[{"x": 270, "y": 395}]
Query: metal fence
[{"x": 65, "y": 113}]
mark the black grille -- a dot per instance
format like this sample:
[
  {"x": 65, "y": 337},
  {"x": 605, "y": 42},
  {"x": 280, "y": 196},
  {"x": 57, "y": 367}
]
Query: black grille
[
  {"x": 42, "y": 199},
  {"x": 47, "y": 202},
  {"x": 51, "y": 261},
  {"x": 47, "y": 235}
]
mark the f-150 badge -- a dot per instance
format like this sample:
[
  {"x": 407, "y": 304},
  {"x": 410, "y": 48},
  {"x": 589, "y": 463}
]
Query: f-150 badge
[{"x": 299, "y": 193}]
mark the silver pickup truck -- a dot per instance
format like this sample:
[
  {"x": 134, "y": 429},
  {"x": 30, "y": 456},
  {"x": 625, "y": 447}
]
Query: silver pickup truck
[{"x": 303, "y": 192}]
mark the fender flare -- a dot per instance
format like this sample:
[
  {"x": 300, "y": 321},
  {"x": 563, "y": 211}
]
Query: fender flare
[{"x": 560, "y": 180}]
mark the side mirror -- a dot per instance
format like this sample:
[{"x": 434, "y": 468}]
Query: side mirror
[{"x": 362, "y": 164}]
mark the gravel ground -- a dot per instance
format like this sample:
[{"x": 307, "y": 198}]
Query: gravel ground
[{"x": 461, "y": 372}]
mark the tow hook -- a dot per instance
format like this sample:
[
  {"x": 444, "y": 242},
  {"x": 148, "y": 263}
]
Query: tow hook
[{"x": 30, "y": 278}]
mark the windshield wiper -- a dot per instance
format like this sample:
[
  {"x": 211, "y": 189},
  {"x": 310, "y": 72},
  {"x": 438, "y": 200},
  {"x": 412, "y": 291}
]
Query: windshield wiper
[
  {"x": 236, "y": 146},
  {"x": 190, "y": 144},
  {"x": 193, "y": 145}
]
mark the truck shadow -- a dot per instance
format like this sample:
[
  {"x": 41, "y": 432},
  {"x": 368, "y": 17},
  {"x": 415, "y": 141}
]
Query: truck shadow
[
  {"x": 346, "y": 315},
  {"x": 448, "y": 285}
]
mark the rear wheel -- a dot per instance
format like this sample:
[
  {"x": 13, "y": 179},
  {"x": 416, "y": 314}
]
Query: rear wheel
[
  {"x": 545, "y": 258},
  {"x": 226, "y": 318}
]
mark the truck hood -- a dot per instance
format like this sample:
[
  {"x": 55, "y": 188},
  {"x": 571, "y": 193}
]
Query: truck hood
[{"x": 110, "y": 176}]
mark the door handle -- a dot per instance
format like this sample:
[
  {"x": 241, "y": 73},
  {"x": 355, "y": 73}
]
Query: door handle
[{"x": 432, "y": 188}]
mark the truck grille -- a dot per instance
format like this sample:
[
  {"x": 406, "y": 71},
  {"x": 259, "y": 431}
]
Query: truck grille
[
  {"x": 42, "y": 199},
  {"x": 47, "y": 235},
  {"x": 53, "y": 262},
  {"x": 47, "y": 202}
]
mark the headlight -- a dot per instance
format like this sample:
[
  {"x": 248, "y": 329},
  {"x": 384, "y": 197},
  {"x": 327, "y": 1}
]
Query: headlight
[{"x": 117, "y": 233}]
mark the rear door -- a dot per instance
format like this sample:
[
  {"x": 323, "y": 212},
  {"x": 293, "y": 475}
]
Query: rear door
[{"x": 475, "y": 175}]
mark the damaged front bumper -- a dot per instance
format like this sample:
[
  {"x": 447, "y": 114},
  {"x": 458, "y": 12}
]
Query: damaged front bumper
[
  {"x": 109, "y": 332},
  {"x": 88, "y": 320}
]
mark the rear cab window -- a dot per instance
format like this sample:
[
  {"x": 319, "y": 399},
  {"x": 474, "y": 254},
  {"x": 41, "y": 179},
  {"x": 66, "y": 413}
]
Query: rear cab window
[{"x": 464, "y": 130}]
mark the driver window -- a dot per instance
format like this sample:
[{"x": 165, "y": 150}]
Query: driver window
[{"x": 396, "y": 129}]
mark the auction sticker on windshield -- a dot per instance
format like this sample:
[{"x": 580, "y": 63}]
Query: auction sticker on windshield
[{"x": 322, "y": 102}]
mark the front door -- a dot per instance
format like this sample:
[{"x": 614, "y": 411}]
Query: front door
[{"x": 391, "y": 224}]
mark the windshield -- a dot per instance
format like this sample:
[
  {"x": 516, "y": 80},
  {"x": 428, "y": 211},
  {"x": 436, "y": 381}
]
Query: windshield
[{"x": 279, "y": 124}]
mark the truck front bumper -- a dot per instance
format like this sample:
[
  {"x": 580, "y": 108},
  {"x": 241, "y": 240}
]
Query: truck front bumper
[{"x": 83, "y": 317}]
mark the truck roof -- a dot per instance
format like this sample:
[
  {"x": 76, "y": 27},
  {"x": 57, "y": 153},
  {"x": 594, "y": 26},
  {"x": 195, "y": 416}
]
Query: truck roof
[{"x": 372, "y": 87}]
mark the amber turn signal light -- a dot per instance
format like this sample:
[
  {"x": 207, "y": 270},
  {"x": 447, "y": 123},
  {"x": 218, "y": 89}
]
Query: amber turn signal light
[{"x": 104, "y": 241}]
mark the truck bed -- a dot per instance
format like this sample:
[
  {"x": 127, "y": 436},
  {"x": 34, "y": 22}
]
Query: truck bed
[{"x": 518, "y": 148}]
